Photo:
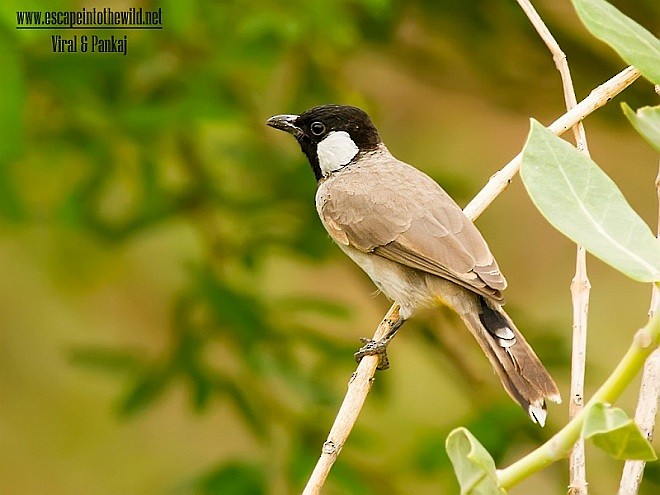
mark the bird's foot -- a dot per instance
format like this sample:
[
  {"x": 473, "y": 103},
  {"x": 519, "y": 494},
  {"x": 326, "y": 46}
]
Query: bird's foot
[
  {"x": 379, "y": 347},
  {"x": 374, "y": 348}
]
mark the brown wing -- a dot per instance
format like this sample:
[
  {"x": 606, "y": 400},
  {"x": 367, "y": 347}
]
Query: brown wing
[{"x": 391, "y": 209}]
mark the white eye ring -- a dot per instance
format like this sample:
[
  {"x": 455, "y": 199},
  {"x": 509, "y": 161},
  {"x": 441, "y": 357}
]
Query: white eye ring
[{"x": 317, "y": 128}]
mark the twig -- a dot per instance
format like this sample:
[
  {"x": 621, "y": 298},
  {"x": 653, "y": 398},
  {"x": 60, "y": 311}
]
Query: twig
[
  {"x": 360, "y": 383},
  {"x": 580, "y": 285},
  {"x": 649, "y": 390}
]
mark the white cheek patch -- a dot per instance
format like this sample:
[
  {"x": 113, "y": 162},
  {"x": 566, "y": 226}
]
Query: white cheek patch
[{"x": 335, "y": 151}]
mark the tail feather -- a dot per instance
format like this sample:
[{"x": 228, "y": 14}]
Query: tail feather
[{"x": 519, "y": 369}]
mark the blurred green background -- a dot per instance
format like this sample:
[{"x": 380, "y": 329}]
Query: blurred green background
[{"x": 173, "y": 317}]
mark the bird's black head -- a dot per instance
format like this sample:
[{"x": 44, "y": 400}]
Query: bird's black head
[{"x": 329, "y": 135}]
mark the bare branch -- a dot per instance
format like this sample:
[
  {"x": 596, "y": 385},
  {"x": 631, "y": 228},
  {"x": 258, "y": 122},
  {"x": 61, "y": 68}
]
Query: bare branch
[
  {"x": 580, "y": 287},
  {"x": 580, "y": 284},
  {"x": 358, "y": 388},
  {"x": 596, "y": 99}
]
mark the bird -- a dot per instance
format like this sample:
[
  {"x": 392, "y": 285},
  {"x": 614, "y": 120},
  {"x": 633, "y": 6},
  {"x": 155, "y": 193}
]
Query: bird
[{"x": 413, "y": 241}]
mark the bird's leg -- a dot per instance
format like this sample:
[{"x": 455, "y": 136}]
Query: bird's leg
[{"x": 379, "y": 347}]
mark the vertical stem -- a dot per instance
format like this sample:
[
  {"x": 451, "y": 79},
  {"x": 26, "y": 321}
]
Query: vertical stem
[
  {"x": 580, "y": 285},
  {"x": 649, "y": 391}
]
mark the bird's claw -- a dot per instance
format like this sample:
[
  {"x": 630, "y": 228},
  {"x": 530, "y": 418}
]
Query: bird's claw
[{"x": 374, "y": 348}]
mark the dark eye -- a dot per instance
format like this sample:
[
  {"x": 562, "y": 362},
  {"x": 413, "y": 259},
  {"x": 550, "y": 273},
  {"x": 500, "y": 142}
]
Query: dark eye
[{"x": 317, "y": 128}]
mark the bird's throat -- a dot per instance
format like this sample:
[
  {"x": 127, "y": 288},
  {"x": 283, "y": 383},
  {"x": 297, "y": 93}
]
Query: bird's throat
[{"x": 335, "y": 151}]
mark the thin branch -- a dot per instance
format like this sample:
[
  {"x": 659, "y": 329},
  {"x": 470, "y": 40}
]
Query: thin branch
[
  {"x": 360, "y": 383},
  {"x": 649, "y": 390},
  {"x": 596, "y": 99},
  {"x": 358, "y": 388},
  {"x": 580, "y": 285}
]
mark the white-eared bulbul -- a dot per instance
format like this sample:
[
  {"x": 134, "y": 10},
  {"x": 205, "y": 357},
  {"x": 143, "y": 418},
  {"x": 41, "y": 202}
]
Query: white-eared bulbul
[{"x": 413, "y": 240}]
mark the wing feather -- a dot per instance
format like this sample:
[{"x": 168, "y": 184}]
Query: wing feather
[{"x": 408, "y": 218}]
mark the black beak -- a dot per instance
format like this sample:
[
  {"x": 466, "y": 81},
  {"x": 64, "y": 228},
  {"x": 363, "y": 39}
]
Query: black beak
[{"x": 285, "y": 123}]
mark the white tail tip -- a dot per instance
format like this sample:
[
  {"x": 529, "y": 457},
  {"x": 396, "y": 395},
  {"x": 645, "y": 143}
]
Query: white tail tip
[{"x": 537, "y": 413}]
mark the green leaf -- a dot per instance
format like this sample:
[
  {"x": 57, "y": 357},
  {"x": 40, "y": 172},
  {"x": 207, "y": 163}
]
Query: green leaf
[
  {"x": 239, "y": 311},
  {"x": 473, "y": 465},
  {"x": 646, "y": 122},
  {"x": 610, "y": 429},
  {"x": 583, "y": 203},
  {"x": 148, "y": 387},
  {"x": 632, "y": 42},
  {"x": 244, "y": 400}
]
